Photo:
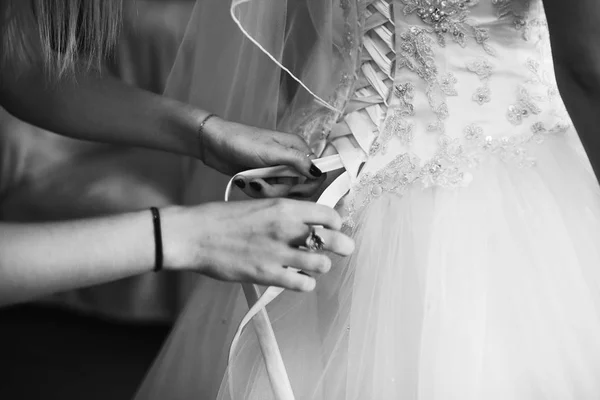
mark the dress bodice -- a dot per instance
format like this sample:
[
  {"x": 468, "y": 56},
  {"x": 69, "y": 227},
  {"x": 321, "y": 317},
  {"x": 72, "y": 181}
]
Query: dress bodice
[{"x": 444, "y": 85}]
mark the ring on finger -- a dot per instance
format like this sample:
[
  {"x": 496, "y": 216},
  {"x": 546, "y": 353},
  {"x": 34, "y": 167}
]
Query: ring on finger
[{"x": 314, "y": 242}]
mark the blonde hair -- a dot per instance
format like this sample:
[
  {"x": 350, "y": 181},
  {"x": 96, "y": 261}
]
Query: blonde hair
[{"x": 61, "y": 34}]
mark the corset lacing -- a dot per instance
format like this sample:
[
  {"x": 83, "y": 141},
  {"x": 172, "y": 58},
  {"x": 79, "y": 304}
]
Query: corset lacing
[{"x": 367, "y": 108}]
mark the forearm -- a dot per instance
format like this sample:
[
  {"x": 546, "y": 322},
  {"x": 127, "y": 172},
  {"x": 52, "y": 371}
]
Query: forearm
[
  {"x": 96, "y": 107},
  {"x": 40, "y": 259}
]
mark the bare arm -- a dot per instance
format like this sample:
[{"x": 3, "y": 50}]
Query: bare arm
[
  {"x": 575, "y": 37},
  {"x": 248, "y": 241},
  {"x": 40, "y": 259},
  {"x": 100, "y": 108},
  {"x": 93, "y": 106}
]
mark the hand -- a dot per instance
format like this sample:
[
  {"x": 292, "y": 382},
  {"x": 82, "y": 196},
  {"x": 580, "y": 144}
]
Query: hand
[
  {"x": 253, "y": 241},
  {"x": 231, "y": 148}
]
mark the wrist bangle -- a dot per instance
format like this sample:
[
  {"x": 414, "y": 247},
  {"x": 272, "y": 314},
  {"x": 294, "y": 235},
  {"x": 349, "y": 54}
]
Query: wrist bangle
[
  {"x": 201, "y": 137},
  {"x": 158, "y": 247}
]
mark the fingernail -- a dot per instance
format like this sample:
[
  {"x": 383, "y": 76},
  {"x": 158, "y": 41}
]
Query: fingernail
[
  {"x": 256, "y": 186},
  {"x": 314, "y": 171},
  {"x": 240, "y": 183}
]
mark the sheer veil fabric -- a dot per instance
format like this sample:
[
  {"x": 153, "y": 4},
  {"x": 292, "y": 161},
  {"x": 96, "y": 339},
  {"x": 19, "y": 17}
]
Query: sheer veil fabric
[
  {"x": 475, "y": 275},
  {"x": 275, "y": 64}
]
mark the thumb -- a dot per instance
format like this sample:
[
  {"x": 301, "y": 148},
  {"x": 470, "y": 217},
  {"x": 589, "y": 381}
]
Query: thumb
[{"x": 302, "y": 162}]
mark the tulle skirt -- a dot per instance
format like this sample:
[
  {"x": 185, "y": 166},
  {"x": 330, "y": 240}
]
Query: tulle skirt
[{"x": 491, "y": 291}]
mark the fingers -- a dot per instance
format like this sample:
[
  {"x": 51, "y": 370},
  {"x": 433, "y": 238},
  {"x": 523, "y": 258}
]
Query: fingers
[
  {"x": 259, "y": 188},
  {"x": 267, "y": 188},
  {"x": 307, "y": 188},
  {"x": 288, "y": 278},
  {"x": 306, "y": 261},
  {"x": 297, "y": 276},
  {"x": 296, "y": 153},
  {"x": 310, "y": 213},
  {"x": 333, "y": 241},
  {"x": 280, "y": 187}
]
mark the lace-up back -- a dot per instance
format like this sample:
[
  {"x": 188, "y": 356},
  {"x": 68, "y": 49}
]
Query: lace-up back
[
  {"x": 476, "y": 224},
  {"x": 443, "y": 86}
]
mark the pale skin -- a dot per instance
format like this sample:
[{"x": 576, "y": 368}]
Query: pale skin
[{"x": 249, "y": 241}]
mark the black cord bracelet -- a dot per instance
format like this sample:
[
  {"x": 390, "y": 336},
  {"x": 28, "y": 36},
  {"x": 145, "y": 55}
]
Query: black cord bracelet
[{"x": 158, "y": 247}]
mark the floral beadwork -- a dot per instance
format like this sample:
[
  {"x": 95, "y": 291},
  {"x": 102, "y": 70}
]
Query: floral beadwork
[
  {"x": 449, "y": 18},
  {"x": 407, "y": 169},
  {"x": 482, "y": 95},
  {"x": 447, "y": 82},
  {"x": 523, "y": 108},
  {"x": 396, "y": 123},
  {"x": 510, "y": 149},
  {"x": 518, "y": 10},
  {"x": 447, "y": 167},
  {"x": 421, "y": 78},
  {"x": 483, "y": 69},
  {"x": 405, "y": 93},
  {"x": 416, "y": 54},
  {"x": 540, "y": 77}
]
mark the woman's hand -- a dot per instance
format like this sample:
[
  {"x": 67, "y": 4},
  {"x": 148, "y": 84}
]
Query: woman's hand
[
  {"x": 253, "y": 241},
  {"x": 230, "y": 148}
]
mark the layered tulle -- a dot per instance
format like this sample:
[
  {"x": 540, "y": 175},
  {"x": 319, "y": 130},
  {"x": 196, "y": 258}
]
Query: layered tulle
[{"x": 486, "y": 292}]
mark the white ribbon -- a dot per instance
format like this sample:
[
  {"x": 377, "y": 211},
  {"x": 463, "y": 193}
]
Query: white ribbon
[{"x": 258, "y": 302}]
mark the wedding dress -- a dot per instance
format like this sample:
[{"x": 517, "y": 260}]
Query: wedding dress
[{"x": 476, "y": 218}]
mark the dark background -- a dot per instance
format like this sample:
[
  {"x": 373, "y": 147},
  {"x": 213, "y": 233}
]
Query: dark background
[{"x": 52, "y": 354}]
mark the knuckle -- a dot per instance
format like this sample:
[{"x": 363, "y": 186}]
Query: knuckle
[
  {"x": 279, "y": 230},
  {"x": 263, "y": 273},
  {"x": 286, "y": 281},
  {"x": 336, "y": 219},
  {"x": 330, "y": 217},
  {"x": 336, "y": 241},
  {"x": 304, "y": 261},
  {"x": 281, "y": 207},
  {"x": 297, "y": 153},
  {"x": 312, "y": 262}
]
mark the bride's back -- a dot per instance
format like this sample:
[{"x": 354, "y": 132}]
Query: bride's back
[{"x": 456, "y": 83}]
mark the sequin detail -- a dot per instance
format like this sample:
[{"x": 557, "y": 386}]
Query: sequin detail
[
  {"x": 396, "y": 124},
  {"x": 510, "y": 149},
  {"x": 416, "y": 54},
  {"x": 483, "y": 69},
  {"x": 449, "y": 18},
  {"x": 523, "y": 108},
  {"x": 449, "y": 166},
  {"x": 518, "y": 10}
]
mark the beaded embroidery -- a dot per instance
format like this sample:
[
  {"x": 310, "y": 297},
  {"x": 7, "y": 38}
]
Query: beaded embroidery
[
  {"x": 483, "y": 69},
  {"x": 414, "y": 54},
  {"x": 449, "y": 18}
]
